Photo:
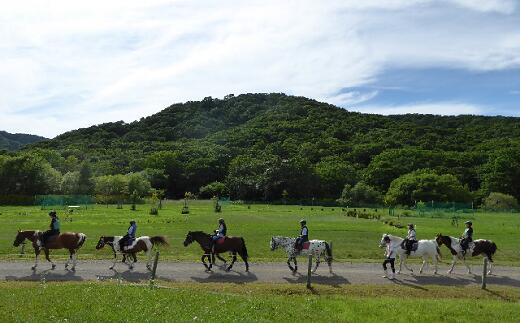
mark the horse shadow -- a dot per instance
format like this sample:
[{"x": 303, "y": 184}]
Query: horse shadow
[
  {"x": 47, "y": 275},
  {"x": 232, "y": 276},
  {"x": 333, "y": 279},
  {"x": 130, "y": 276}
]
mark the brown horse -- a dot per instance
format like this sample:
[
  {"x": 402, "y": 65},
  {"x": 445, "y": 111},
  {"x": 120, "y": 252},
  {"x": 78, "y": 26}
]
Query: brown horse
[
  {"x": 67, "y": 240},
  {"x": 144, "y": 243},
  {"x": 232, "y": 244}
]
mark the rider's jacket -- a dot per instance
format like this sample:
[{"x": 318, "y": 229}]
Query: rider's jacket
[
  {"x": 390, "y": 251},
  {"x": 55, "y": 225},
  {"x": 468, "y": 234},
  {"x": 411, "y": 235},
  {"x": 132, "y": 230},
  {"x": 304, "y": 233},
  {"x": 222, "y": 230}
]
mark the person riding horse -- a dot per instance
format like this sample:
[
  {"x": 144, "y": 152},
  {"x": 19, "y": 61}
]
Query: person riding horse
[
  {"x": 221, "y": 232},
  {"x": 410, "y": 238},
  {"x": 467, "y": 237},
  {"x": 129, "y": 237},
  {"x": 304, "y": 236},
  {"x": 54, "y": 229}
]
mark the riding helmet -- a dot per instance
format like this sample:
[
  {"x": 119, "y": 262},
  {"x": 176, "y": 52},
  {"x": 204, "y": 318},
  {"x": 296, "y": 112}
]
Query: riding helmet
[
  {"x": 52, "y": 213},
  {"x": 132, "y": 222},
  {"x": 221, "y": 220},
  {"x": 468, "y": 222},
  {"x": 302, "y": 221},
  {"x": 411, "y": 225}
]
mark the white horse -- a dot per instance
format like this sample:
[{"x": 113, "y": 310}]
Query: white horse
[
  {"x": 143, "y": 243},
  {"x": 486, "y": 248},
  {"x": 317, "y": 248},
  {"x": 425, "y": 249}
]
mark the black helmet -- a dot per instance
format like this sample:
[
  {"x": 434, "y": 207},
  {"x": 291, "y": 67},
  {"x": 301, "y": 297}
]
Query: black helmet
[
  {"x": 468, "y": 222},
  {"x": 302, "y": 221},
  {"x": 52, "y": 213},
  {"x": 386, "y": 238},
  {"x": 132, "y": 222},
  {"x": 221, "y": 220},
  {"x": 411, "y": 225}
]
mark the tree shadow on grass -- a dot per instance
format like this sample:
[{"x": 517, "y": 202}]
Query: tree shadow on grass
[{"x": 47, "y": 275}]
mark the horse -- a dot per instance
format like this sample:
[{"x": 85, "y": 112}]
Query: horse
[
  {"x": 425, "y": 249},
  {"x": 67, "y": 240},
  {"x": 143, "y": 243},
  {"x": 232, "y": 244},
  {"x": 317, "y": 248},
  {"x": 486, "y": 248}
]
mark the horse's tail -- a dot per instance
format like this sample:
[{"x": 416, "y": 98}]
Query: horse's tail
[
  {"x": 159, "y": 240},
  {"x": 82, "y": 239},
  {"x": 493, "y": 247},
  {"x": 329, "y": 252},
  {"x": 244, "y": 250}
]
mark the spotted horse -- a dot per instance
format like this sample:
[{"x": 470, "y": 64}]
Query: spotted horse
[{"x": 316, "y": 248}]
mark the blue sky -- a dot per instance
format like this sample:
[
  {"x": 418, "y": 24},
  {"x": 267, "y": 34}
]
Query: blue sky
[{"x": 66, "y": 65}]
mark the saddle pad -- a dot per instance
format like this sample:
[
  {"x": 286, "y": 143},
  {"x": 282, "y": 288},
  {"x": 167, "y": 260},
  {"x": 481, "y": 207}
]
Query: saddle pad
[
  {"x": 221, "y": 240},
  {"x": 306, "y": 245}
]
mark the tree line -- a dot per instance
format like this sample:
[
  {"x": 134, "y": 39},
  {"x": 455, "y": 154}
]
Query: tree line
[{"x": 272, "y": 146}]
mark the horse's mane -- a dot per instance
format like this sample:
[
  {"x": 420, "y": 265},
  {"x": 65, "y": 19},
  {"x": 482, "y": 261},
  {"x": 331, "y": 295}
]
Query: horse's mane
[{"x": 198, "y": 233}]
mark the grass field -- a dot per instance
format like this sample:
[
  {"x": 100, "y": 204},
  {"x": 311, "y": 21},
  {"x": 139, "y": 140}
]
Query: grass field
[
  {"x": 353, "y": 239},
  {"x": 112, "y": 302}
]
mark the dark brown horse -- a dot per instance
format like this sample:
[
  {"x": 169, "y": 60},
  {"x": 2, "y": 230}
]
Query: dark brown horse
[
  {"x": 67, "y": 240},
  {"x": 485, "y": 248},
  {"x": 144, "y": 243},
  {"x": 230, "y": 244}
]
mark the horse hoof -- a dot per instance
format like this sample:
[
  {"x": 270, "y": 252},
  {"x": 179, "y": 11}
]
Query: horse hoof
[
  {"x": 33, "y": 267},
  {"x": 73, "y": 269},
  {"x": 53, "y": 267},
  {"x": 66, "y": 266},
  {"x": 111, "y": 268}
]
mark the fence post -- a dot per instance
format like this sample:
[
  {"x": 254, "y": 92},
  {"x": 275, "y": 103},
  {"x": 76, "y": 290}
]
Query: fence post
[
  {"x": 154, "y": 268},
  {"x": 484, "y": 273},
  {"x": 309, "y": 271}
]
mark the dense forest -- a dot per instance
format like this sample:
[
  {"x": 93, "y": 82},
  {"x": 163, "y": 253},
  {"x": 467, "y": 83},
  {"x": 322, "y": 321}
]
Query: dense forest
[
  {"x": 15, "y": 141},
  {"x": 274, "y": 146}
]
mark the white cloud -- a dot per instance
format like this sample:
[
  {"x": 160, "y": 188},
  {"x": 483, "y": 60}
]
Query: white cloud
[
  {"x": 65, "y": 64},
  {"x": 437, "y": 108}
]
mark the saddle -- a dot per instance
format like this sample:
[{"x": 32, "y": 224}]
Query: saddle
[
  {"x": 220, "y": 240},
  {"x": 129, "y": 244},
  {"x": 415, "y": 245},
  {"x": 306, "y": 245}
]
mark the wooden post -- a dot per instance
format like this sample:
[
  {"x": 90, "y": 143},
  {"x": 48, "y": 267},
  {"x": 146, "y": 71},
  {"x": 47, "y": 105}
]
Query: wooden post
[
  {"x": 484, "y": 274},
  {"x": 154, "y": 268},
  {"x": 309, "y": 272}
]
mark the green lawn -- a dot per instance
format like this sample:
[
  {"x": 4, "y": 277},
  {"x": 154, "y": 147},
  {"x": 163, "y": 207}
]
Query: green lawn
[
  {"x": 353, "y": 239},
  {"x": 111, "y": 302}
]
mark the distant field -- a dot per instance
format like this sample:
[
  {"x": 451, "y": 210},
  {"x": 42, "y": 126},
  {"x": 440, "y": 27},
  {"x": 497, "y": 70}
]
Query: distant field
[
  {"x": 353, "y": 239},
  {"x": 112, "y": 302}
]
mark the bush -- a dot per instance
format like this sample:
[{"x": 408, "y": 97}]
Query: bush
[
  {"x": 217, "y": 189},
  {"x": 499, "y": 201},
  {"x": 360, "y": 194}
]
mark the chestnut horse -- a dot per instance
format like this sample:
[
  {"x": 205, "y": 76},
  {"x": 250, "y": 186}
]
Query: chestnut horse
[
  {"x": 232, "y": 244},
  {"x": 67, "y": 240},
  {"x": 144, "y": 243}
]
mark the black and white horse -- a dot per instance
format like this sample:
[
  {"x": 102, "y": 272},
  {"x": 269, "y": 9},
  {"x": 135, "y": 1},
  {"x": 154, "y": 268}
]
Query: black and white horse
[
  {"x": 486, "y": 248},
  {"x": 317, "y": 248},
  {"x": 425, "y": 249}
]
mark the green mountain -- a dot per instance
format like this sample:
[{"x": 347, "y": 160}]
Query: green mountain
[
  {"x": 12, "y": 142},
  {"x": 263, "y": 144}
]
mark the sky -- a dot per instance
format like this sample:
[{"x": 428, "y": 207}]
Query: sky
[{"x": 67, "y": 64}]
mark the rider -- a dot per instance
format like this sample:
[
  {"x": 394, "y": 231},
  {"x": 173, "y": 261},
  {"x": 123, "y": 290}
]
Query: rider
[
  {"x": 467, "y": 237},
  {"x": 54, "y": 228},
  {"x": 410, "y": 238},
  {"x": 219, "y": 233},
  {"x": 390, "y": 258},
  {"x": 304, "y": 235},
  {"x": 129, "y": 236}
]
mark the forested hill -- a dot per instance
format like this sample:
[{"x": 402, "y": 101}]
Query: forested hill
[
  {"x": 11, "y": 142},
  {"x": 260, "y": 145}
]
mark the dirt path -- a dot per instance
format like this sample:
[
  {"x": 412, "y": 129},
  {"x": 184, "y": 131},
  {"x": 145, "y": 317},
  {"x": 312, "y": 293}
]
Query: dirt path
[{"x": 344, "y": 273}]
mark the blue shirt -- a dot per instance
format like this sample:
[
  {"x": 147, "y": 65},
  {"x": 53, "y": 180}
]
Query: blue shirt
[{"x": 132, "y": 230}]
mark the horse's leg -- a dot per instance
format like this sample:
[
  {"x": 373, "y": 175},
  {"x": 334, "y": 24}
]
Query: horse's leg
[
  {"x": 204, "y": 262},
  {"x": 289, "y": 263},
  {"x": 70, "y": 258},
  {"x": 453, "y": 262},
  {"x": 53, "y": 265},
  {"x": 406, "y": 265},
  {"x": 423, "y": 264},
  {"x": 435, "y": 263},
  {"x": 221, "y": 259},
  {"x": 148, "y": 263},
  {"x": 244, "y": 258},
  {"x": 400, "y": 264},
  {"x": 295, "y": 264},
  {"x": 115, "y": 260},
  {"x": 132, "y": 261},
  {"x": 467, "y": 266},
  {"x": 490, "y": 262},
  {"x": 74, "y": 260},
  {"x": 37, "y": 254},
  {"x": 317, "y": 263},
  {"x": 232, "y": 261}
]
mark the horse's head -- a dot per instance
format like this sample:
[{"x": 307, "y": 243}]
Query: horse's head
[
  {"x": 188, "y": 240},
  {"x": 101, "y": 243},
  {"x": 20, "y": 237},
  {"x": 384, "y": 239},
  {"x": 274, "y": 243}
]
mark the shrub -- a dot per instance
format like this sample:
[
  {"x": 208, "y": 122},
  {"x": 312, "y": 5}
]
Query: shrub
[{"x": 499, "y": 201}]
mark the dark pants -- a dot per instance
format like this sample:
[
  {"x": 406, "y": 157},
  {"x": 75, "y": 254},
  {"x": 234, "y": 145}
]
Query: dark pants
[
  {"x": 125, "y": 240},
  {"x": 298, "y": 245},
  {"x": 47, "y": 234},
  {"x": 464, "y": 243},
  {"x": 390, "y": 261},
  {"x": 409, "y": 245}
]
